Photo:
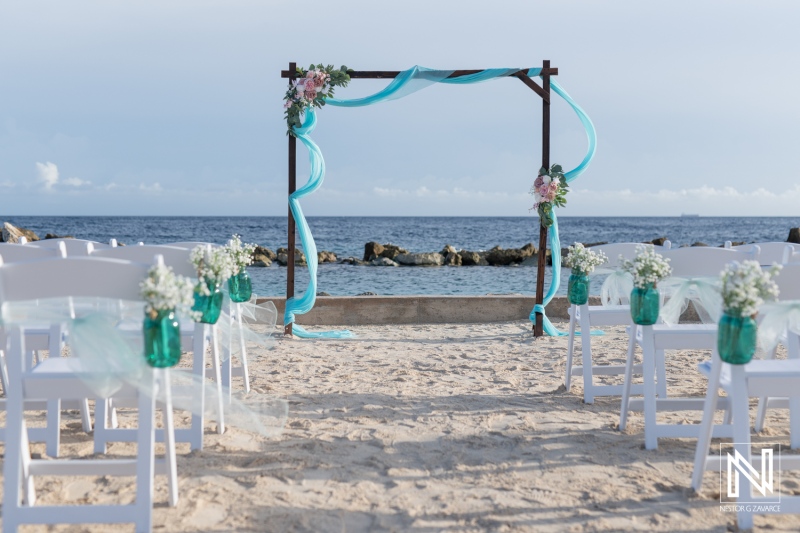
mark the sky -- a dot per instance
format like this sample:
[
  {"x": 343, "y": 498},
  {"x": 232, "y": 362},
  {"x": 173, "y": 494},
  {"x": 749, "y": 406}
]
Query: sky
[{"x": 175, "y": 108}]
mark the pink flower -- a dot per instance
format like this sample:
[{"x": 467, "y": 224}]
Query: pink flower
[
  {"x": 538, "y": 182},
  {"x": 310, "y": 73},
  {"x": 287, "y": 104},
  {"x": 311, "y": 94}
]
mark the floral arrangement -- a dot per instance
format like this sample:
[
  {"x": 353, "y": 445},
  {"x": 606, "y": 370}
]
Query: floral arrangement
[
  {"x": 241, "y": 254},
  {"x": 310, "y": 89},
  {"x": 549, "y": 189},
  {"x": 648, "y": 267},
  {"x": 583, "y": 259},
  {"x": 213, "y": 266},
  {"x": 745, "y": 287},
  {"x": 163, "y": 290}
]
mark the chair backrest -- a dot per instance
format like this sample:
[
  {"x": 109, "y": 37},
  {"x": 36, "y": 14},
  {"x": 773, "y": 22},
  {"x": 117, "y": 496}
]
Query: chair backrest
[
  {"x": 789, "y": 282},
  {"x": 794, "y": 258},
  {"x": 190, "y": 245},
  {"x": 705, "y": 261},
  {"x": 72, "y": 277},
  {"x": 624, "y": 249},
  {"x": 14, "y": 253},
  {"x": 75, "y": 247},
  {"x": 772, "y": 252},
  {"x": 177, "y": 258}
]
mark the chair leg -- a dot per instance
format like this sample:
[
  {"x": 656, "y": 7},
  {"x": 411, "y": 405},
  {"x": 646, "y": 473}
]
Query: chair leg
[
  {"x": 53, "y": 427},
  {"x": 199, "y": 345},
  {"x": 626, "y": 385},
  {"x": 707, "y": 424},
  {"x": 169, "y": 439},
  {"x": 145, "y": 462},
  {"x": 86, "y": 416},
  {"x": 15, "y": 427},
  {"x": 586, "y": 352},
  {"x": 741, "y": 438},
  {"x": 794, "y": 422},
  {"x": 218, "y": 377},
  {"x": 226, "y": 364},
  {"x": 3, "y": 372},
  {"x": 570, "y": 347},
  {"x": 243, "y": 350},
  {"x": 101, "y": 406},
  {"x": 649, "y": 376},
  {"x": 661, "y": 374}
]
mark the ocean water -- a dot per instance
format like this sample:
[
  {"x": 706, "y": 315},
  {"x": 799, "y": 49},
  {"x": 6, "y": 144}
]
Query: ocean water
[{"x": 346, "y": 236}]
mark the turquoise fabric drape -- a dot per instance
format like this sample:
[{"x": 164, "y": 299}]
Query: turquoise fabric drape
[{"x": 407, "y": 82}]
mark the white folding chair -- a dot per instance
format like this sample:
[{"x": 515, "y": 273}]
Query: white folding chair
[
  {"x": 608, "y": 314},
  {"x": 689, "y": 262},
  {"x": 789, "y": 286},
  {"x": 194, "y": 337},
  {"x": 756, "y": 378},
  {"x": 57, "y": 378},
  {"x": 771, "y": 252},
  {"x": 37, "y": 340},
  {"x": 75, "y": 247},
  {"x": 235, "y": 315}
]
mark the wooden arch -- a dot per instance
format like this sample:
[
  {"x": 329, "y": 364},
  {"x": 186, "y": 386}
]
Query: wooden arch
[{"x": 543, "y": 91}]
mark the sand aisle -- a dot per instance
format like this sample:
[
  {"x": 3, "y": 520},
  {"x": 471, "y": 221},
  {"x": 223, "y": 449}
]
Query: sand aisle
[{"x": 431, "y": 428}]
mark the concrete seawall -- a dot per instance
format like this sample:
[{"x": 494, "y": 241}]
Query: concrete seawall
[{"x": 363, "y": 310}]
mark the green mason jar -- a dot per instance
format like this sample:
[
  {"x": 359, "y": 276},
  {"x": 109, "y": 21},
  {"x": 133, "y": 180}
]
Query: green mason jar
[
  {"x": 162, "y": 339},
  {"x": 209, "y": 306},
  {"x": 736, "y": 338},
  {"x": 645, "y": 304},
  {"x": 546, "y": 214},
  {"x": 578, "y": 288},
  {"x": 239, "y": 287}
]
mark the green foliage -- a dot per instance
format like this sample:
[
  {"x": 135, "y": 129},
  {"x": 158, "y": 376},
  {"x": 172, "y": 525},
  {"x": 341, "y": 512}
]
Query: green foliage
[{"x": 297, "y": 101}]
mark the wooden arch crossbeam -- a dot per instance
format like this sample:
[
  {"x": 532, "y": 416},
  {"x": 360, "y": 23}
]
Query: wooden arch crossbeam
[{"x": 542, "y": 90}]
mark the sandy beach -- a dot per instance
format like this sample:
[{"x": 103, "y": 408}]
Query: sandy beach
[{"x": 434, "y": 428}]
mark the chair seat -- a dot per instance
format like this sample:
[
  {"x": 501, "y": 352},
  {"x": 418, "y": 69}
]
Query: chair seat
[{"x": 682, "y": 336}]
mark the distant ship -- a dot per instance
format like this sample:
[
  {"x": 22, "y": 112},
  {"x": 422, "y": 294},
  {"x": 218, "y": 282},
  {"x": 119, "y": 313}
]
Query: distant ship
[{"x": 690, "y": 215}]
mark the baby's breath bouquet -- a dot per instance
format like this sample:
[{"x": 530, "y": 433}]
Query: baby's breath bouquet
[
  {"x": 745, "y": 287},
  {"x": 214, "y": 266},
  {"x": 583, "y": 260},
  {"x": 647, "y": 268},
  {"x": 165, "y": 294},
  {"x": 240, "y": 289},
  {"x": 163, "y": 290},
  {"x": 241, "y": 254}
]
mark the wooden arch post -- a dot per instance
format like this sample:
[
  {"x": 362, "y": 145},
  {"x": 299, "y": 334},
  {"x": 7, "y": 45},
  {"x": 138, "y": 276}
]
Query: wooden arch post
[{"x": 543, "y": 91}]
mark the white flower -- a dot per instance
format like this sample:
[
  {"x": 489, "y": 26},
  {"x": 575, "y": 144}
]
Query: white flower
[
  {"x": 584, "y": 260},
  {"x": 241, "y": 254},
  {"x": 213, "y": 265},
  {"x": 547, "y": 179},
  {"x": 163, "y": 290},
  {"x": 745, "y": 287},
  {"x": 648, "y": 267}
]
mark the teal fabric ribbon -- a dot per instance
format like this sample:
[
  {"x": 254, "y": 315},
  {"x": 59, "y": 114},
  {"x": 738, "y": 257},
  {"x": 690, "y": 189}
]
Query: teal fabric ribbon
[{"x": 407, "y": 82}]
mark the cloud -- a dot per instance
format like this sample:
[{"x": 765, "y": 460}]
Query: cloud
[
  {"x": 48, "y": 174},
  {"x": 76, "y": 182},
  {"x": 155, "y": 187},
  {"x": 7, "y": 184}
]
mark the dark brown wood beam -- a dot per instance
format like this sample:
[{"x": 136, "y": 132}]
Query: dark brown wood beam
[
  {"x": 287, "y": 329},
  {"x": 535, "y": 86},
  {"x": 384, "y": 74},
  {"x": 541, "y": 260}
]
